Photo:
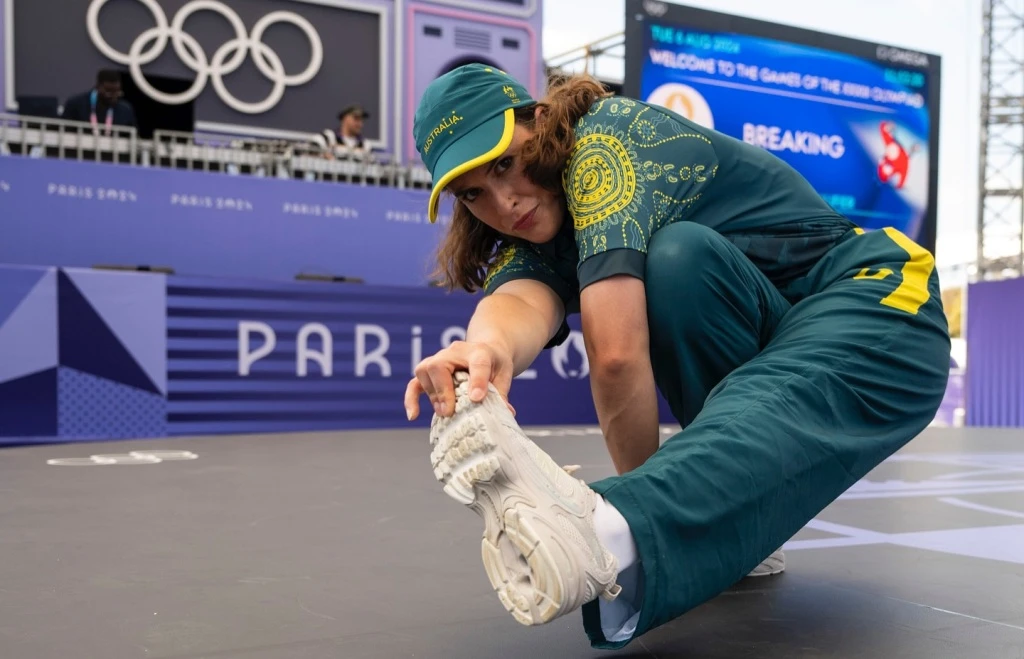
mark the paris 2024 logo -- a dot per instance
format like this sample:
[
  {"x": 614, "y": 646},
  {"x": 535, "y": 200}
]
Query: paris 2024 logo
[{"x": 569, "y": 359}]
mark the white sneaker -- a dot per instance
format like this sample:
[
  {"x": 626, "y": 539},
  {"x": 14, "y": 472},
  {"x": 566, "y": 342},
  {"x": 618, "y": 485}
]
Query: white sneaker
[
  {"x": 540, "y": 550},
  {"x": 774, "y": 564}
]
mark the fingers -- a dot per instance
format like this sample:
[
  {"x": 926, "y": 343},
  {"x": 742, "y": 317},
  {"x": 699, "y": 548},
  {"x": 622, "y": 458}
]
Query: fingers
[
  {"x": 413, "y": 391},
  {"x": 434, "y": 377},
  {"x": 480, "y": 367},
  {"x": 443, "y": 391}
]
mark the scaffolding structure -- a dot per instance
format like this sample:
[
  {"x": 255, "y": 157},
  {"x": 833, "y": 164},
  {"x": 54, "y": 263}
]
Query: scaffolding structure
[
  {"x": 1001, "y": 171},
  {"x": 603, "y": 58}
]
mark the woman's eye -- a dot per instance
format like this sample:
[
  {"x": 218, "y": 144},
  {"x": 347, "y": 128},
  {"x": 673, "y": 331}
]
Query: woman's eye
[
  {"x": 469, "y": 195},
  {"x": 504, "y": 164}
]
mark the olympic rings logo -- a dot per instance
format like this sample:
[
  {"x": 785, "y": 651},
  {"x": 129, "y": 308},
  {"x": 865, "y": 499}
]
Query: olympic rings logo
[
  {"x": 133, "y": 458},
  {"x": 151, "y": 44}
]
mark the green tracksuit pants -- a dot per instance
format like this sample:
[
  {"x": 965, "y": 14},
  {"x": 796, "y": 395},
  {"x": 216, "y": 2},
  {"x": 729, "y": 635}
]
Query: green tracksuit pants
[{"x": 786, "y": 399}]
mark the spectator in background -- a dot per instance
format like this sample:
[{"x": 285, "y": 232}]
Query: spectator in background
[
  {"x": 347, "y": 142},
  {"x": 102, "y": 104},
  {"x": 350, "y": 132}
]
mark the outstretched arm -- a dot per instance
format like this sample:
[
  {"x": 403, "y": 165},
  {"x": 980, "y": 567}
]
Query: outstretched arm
[
  {"x": 508, "y": 330},
  {"x": 614, "y": 317},
  {"x": 521, "y": 317}
]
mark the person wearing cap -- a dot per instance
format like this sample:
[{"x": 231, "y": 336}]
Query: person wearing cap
[
  {"x": 350, "y": 131},
  {"x": 796, "y": 350}
]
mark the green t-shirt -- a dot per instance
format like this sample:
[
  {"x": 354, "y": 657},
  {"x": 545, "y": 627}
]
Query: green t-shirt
[{"x": 637, "y": 168}]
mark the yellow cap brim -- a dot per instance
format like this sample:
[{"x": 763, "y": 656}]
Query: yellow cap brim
[{"x": 470, "y": 151}]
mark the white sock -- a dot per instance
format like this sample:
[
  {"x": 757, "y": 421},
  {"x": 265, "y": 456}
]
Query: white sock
[{"x": 613, "y": 532}]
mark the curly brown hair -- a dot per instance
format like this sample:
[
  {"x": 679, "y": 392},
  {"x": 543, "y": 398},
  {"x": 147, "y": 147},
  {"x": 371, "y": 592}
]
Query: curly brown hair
[{"x": 470, "y": 246}]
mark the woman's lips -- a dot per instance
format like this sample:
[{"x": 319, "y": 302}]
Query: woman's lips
[{"x": 524, "y": 222}]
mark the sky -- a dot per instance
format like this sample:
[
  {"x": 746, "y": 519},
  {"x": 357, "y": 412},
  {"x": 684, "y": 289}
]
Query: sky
[{"x": 951, "y": 29}]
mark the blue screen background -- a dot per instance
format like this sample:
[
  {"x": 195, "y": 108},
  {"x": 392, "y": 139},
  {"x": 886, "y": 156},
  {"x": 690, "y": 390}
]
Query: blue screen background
[{"x": 862, "y": 183}]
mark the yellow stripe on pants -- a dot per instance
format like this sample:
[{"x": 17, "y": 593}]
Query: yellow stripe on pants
[{"x": 913, "y": 290}]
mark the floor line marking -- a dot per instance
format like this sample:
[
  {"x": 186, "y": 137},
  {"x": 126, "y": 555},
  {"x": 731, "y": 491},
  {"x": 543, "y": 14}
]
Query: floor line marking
[
  {"x": 953, "y": 501},
  {"x": 955, "y": 613}
]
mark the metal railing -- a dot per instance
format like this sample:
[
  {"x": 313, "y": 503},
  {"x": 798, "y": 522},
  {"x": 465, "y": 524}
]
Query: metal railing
[
  {"x": 337, "y": 165},
  {"x": 177, "y": 150},
  {"x": 312, "y": 160},
  {"x": 39, "y": 137}
]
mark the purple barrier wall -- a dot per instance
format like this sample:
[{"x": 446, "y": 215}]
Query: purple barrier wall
[
  {"x": 87, "y": 355},
  {"x": 83, "y": 214},
  {"x": 995, "y": 353},
  {"x": 951, "y": 410}
]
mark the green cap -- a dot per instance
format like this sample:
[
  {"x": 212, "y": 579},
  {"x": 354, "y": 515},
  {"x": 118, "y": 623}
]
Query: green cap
[{"x": 464, "y": 120}]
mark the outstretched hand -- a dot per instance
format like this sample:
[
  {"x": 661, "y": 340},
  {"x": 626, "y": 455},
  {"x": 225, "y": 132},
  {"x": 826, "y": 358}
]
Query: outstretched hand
[{"x": 434, "y": 376}]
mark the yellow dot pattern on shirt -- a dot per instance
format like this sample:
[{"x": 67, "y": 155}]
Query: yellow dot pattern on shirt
[
  {"x": 666, "y": 208},
  {"x": 645, "y": 134},
  {"x": 602, "y": 180},
  {"x": 505, "y": 257}
]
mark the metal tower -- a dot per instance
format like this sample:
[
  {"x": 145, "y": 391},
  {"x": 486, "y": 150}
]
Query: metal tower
[
  {"x": 604, "y": 59},
  {"x": 1001, "y": 171}
]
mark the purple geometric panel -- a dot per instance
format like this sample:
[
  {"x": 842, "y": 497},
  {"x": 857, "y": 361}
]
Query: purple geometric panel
[
  {"x": 28, "y": 339},
  {"x": 134, "y": 307},
  {"x": 88, "y": 344},
  {"x": 91, "y": 407},
  {"x": 15, "y": 284},
  {"x": 28, "y": 406}
]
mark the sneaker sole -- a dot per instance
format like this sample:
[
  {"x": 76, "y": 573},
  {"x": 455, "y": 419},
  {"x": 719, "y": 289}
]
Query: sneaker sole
[
  {"x": 774, "y": 564},
  {"x": 476, "y": 472}
]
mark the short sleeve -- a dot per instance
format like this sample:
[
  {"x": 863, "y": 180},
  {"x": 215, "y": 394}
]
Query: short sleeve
[
  {"x": 523, "y": 261},
  {"x": 634, "y": 169},
  {"x": 519, "y": 261}
]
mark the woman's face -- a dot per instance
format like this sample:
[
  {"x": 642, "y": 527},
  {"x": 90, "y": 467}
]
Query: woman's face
[{"x": 501, "y": 196}]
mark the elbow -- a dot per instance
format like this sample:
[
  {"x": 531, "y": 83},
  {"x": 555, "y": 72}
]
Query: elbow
[
  {"x": 615, "y": 365},
  {"x": 616, "y": 377}
]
